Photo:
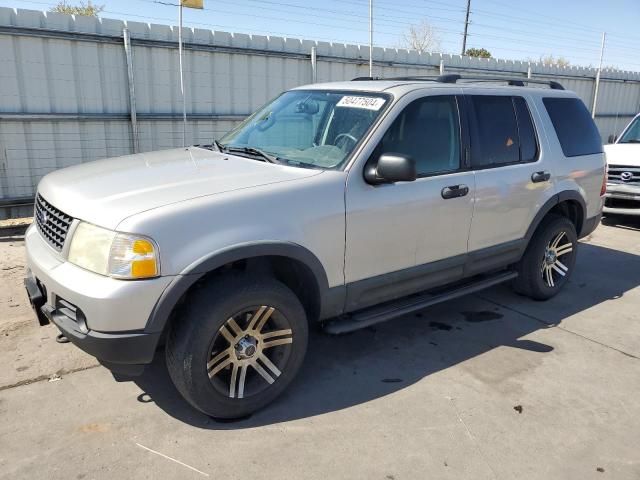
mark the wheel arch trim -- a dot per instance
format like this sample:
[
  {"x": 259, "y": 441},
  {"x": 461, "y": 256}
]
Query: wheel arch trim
[
  {"x": 198, "y": 269},
  {"x": 556, "y": 199}
]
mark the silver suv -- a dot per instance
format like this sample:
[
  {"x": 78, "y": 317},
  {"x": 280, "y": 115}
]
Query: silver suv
[{"x": 344, "y": 203}]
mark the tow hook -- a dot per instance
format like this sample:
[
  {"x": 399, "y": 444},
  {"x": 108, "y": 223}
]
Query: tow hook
[{"x": 60, "y": 338}]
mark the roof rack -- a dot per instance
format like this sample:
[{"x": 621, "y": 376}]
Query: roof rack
[{"x": 454, "y": 77}]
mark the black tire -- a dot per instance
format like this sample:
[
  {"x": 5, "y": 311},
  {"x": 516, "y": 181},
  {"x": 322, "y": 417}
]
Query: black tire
[
  {"x": 199, "y": 327},
  {"x": 532, "y": 278}
]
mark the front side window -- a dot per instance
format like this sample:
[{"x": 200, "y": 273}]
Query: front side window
[
  {"x": 632, "y": 133},
  {"x": 309, "y": 128},
  {"x": 427, "y": 130}
]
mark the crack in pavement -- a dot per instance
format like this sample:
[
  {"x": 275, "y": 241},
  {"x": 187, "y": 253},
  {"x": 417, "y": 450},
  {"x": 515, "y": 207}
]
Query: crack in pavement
[
  {"x": 556, "y": 325},
  {"x": 472, "y": 437},
  {"x": 41, "y": 378}
]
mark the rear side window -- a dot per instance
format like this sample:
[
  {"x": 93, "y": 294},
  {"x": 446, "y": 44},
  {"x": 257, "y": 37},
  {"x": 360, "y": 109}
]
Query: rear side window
[
  {"x": 494, "y": 132},
  {"x": 577, "y": 133},
  {"x": 526, "y": 131}
]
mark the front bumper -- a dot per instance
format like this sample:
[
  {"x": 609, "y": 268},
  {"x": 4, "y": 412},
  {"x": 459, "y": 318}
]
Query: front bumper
[
  {"x": 103, "y": 316},
  {"x": 130, "y": 348},
  {"x": 622, "y": 199},
  {"x": 114, "y": 350}
]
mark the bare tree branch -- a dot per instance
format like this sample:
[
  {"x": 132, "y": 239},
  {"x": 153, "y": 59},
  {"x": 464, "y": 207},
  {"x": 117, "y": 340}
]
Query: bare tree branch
[{"x": 422, "y": 37}]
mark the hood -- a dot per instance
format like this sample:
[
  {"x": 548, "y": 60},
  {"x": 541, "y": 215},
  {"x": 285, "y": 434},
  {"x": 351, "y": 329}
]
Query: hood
[
  {"x": 105, "y": 192},
  {"x": 627, "y": 154}
]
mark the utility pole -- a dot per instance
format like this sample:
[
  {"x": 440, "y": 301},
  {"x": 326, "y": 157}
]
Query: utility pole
[
  {"x": 184, "y": 100},
  {"x": 466, "y": 27},
  {"x": 371, "y": 38},
  {"x": 597, "y": 87},
  {"x": 189, "y": 4}
]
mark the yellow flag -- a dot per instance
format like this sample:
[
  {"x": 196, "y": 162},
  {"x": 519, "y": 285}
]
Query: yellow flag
[{"x": 192, "y": 3}]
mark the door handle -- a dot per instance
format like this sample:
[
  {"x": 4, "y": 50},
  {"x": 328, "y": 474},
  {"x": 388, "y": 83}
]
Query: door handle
[
  {"x": 538, "y": 177},
  {"x": 454, "y": 191}
]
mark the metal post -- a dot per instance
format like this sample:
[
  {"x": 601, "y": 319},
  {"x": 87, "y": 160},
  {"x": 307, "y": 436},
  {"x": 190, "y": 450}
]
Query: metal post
[
  {"x": 466, "y": 27},
  {"x": 441, "y": 67},
  {"x": 132, "y": 90},
  {"x": 314, "y": 64},
  {"x": 371, "y": 38},
  {"x": 597, "y": 86},
  {"x": 184, "y": 100},
  {"x": 529, "y": 70}
]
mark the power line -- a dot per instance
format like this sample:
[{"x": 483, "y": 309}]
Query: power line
[
  {"x": 307, "y": 22},
  {"x": 564, "y": 20},
  {"x": 480, "y": 35}
]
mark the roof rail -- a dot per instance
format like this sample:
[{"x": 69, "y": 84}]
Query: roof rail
[
  {"x": 454, "y": 78},
  {"x": 514, "y": 82}
]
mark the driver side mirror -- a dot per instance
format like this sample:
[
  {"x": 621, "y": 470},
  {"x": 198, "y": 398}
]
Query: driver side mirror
[
  {"x": 391, "y": 168},
  {"x": 613, "y": 138}
]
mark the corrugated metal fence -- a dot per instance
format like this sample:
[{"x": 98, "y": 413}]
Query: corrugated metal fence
[{"x": 72, "y": 89}]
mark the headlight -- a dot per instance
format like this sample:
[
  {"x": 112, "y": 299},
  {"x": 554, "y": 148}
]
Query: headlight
[{"x": 119, "y": 255}]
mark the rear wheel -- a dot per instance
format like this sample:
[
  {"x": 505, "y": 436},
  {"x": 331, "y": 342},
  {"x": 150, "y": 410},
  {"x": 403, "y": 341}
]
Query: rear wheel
[
  {"x": 239, "y": 344},
  {"x": 549, "y": 259}
]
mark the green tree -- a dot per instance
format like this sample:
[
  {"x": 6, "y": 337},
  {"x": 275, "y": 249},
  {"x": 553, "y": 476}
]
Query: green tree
[
  {"x": 478, "y": 52},
  {"x": 88, "y": 9}
]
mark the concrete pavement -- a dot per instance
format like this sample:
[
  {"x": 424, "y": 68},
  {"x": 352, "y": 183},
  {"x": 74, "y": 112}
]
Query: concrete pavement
[{"x": 490, "y": 386}]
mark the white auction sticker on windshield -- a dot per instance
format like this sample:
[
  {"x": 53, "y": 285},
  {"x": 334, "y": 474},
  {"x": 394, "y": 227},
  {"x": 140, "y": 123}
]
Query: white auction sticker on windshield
[{"x": 370, "y": 103}]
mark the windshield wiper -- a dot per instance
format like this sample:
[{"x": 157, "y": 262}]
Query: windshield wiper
[
  {"x": 632, "y": 140},
  {"x": 217, "y": 146},
  {"x": 267, "y": 157},
  {"x": 296, "y": 163}
]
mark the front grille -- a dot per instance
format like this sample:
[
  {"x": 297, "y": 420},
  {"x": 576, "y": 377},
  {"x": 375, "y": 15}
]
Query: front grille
[
  {"x": 624, "y": 175},
  {"x": 52, "y": 223}
]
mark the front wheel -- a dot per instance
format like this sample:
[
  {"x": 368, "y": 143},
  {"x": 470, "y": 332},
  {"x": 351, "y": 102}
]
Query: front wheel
[
  {"x": 237, "y": 346},
  {"x": 549, "y": 259}
]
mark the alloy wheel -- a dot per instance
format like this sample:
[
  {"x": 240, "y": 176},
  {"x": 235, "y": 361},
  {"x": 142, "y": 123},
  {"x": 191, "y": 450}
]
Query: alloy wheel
[
  {"x": 553, "y": 267},
  {"x": 249, "y": 352}
]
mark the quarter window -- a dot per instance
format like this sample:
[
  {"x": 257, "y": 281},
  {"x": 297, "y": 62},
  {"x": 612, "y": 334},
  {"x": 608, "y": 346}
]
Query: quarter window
[
  {"x": 577, "y": 133},
  {"x": 428, "y": 130}
]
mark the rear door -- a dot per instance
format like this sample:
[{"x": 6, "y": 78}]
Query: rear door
[{"x": 513, "y": 177}]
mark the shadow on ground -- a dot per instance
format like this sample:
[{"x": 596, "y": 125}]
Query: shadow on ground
[
  {"x": 344, "y": 371},
  {"x": 623, "y": 222}
]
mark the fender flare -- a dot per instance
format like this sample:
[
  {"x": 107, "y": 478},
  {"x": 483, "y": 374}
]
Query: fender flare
[
  {"x": 194, "y": 272},
  {"x": 552, "y": 202}
]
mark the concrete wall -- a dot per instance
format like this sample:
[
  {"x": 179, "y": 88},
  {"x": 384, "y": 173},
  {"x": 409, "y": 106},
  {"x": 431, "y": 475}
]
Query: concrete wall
[{"x": 65, "y": 91}]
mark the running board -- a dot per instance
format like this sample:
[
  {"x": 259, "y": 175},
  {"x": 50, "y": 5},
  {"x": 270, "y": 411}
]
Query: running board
[{"x": 404, "y": 306}]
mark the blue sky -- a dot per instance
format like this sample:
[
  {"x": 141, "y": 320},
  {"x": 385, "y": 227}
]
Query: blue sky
[{"x": 516, "y": 29}]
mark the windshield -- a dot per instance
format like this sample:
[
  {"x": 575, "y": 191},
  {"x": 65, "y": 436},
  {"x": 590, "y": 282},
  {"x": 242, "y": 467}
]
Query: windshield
[
  {"x": 632, "y": 133},
  {"x": 308, "y": 128}
]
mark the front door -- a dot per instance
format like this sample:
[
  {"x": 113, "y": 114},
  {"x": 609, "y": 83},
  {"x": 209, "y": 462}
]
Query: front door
[{"x": 409, "y": 236}]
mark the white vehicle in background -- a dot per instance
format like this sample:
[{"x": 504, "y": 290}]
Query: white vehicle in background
[{"x": 623, "y": 181}]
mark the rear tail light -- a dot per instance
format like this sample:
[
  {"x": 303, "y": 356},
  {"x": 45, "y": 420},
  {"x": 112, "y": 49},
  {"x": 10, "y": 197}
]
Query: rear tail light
[{"x": 603, "y": 189}]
